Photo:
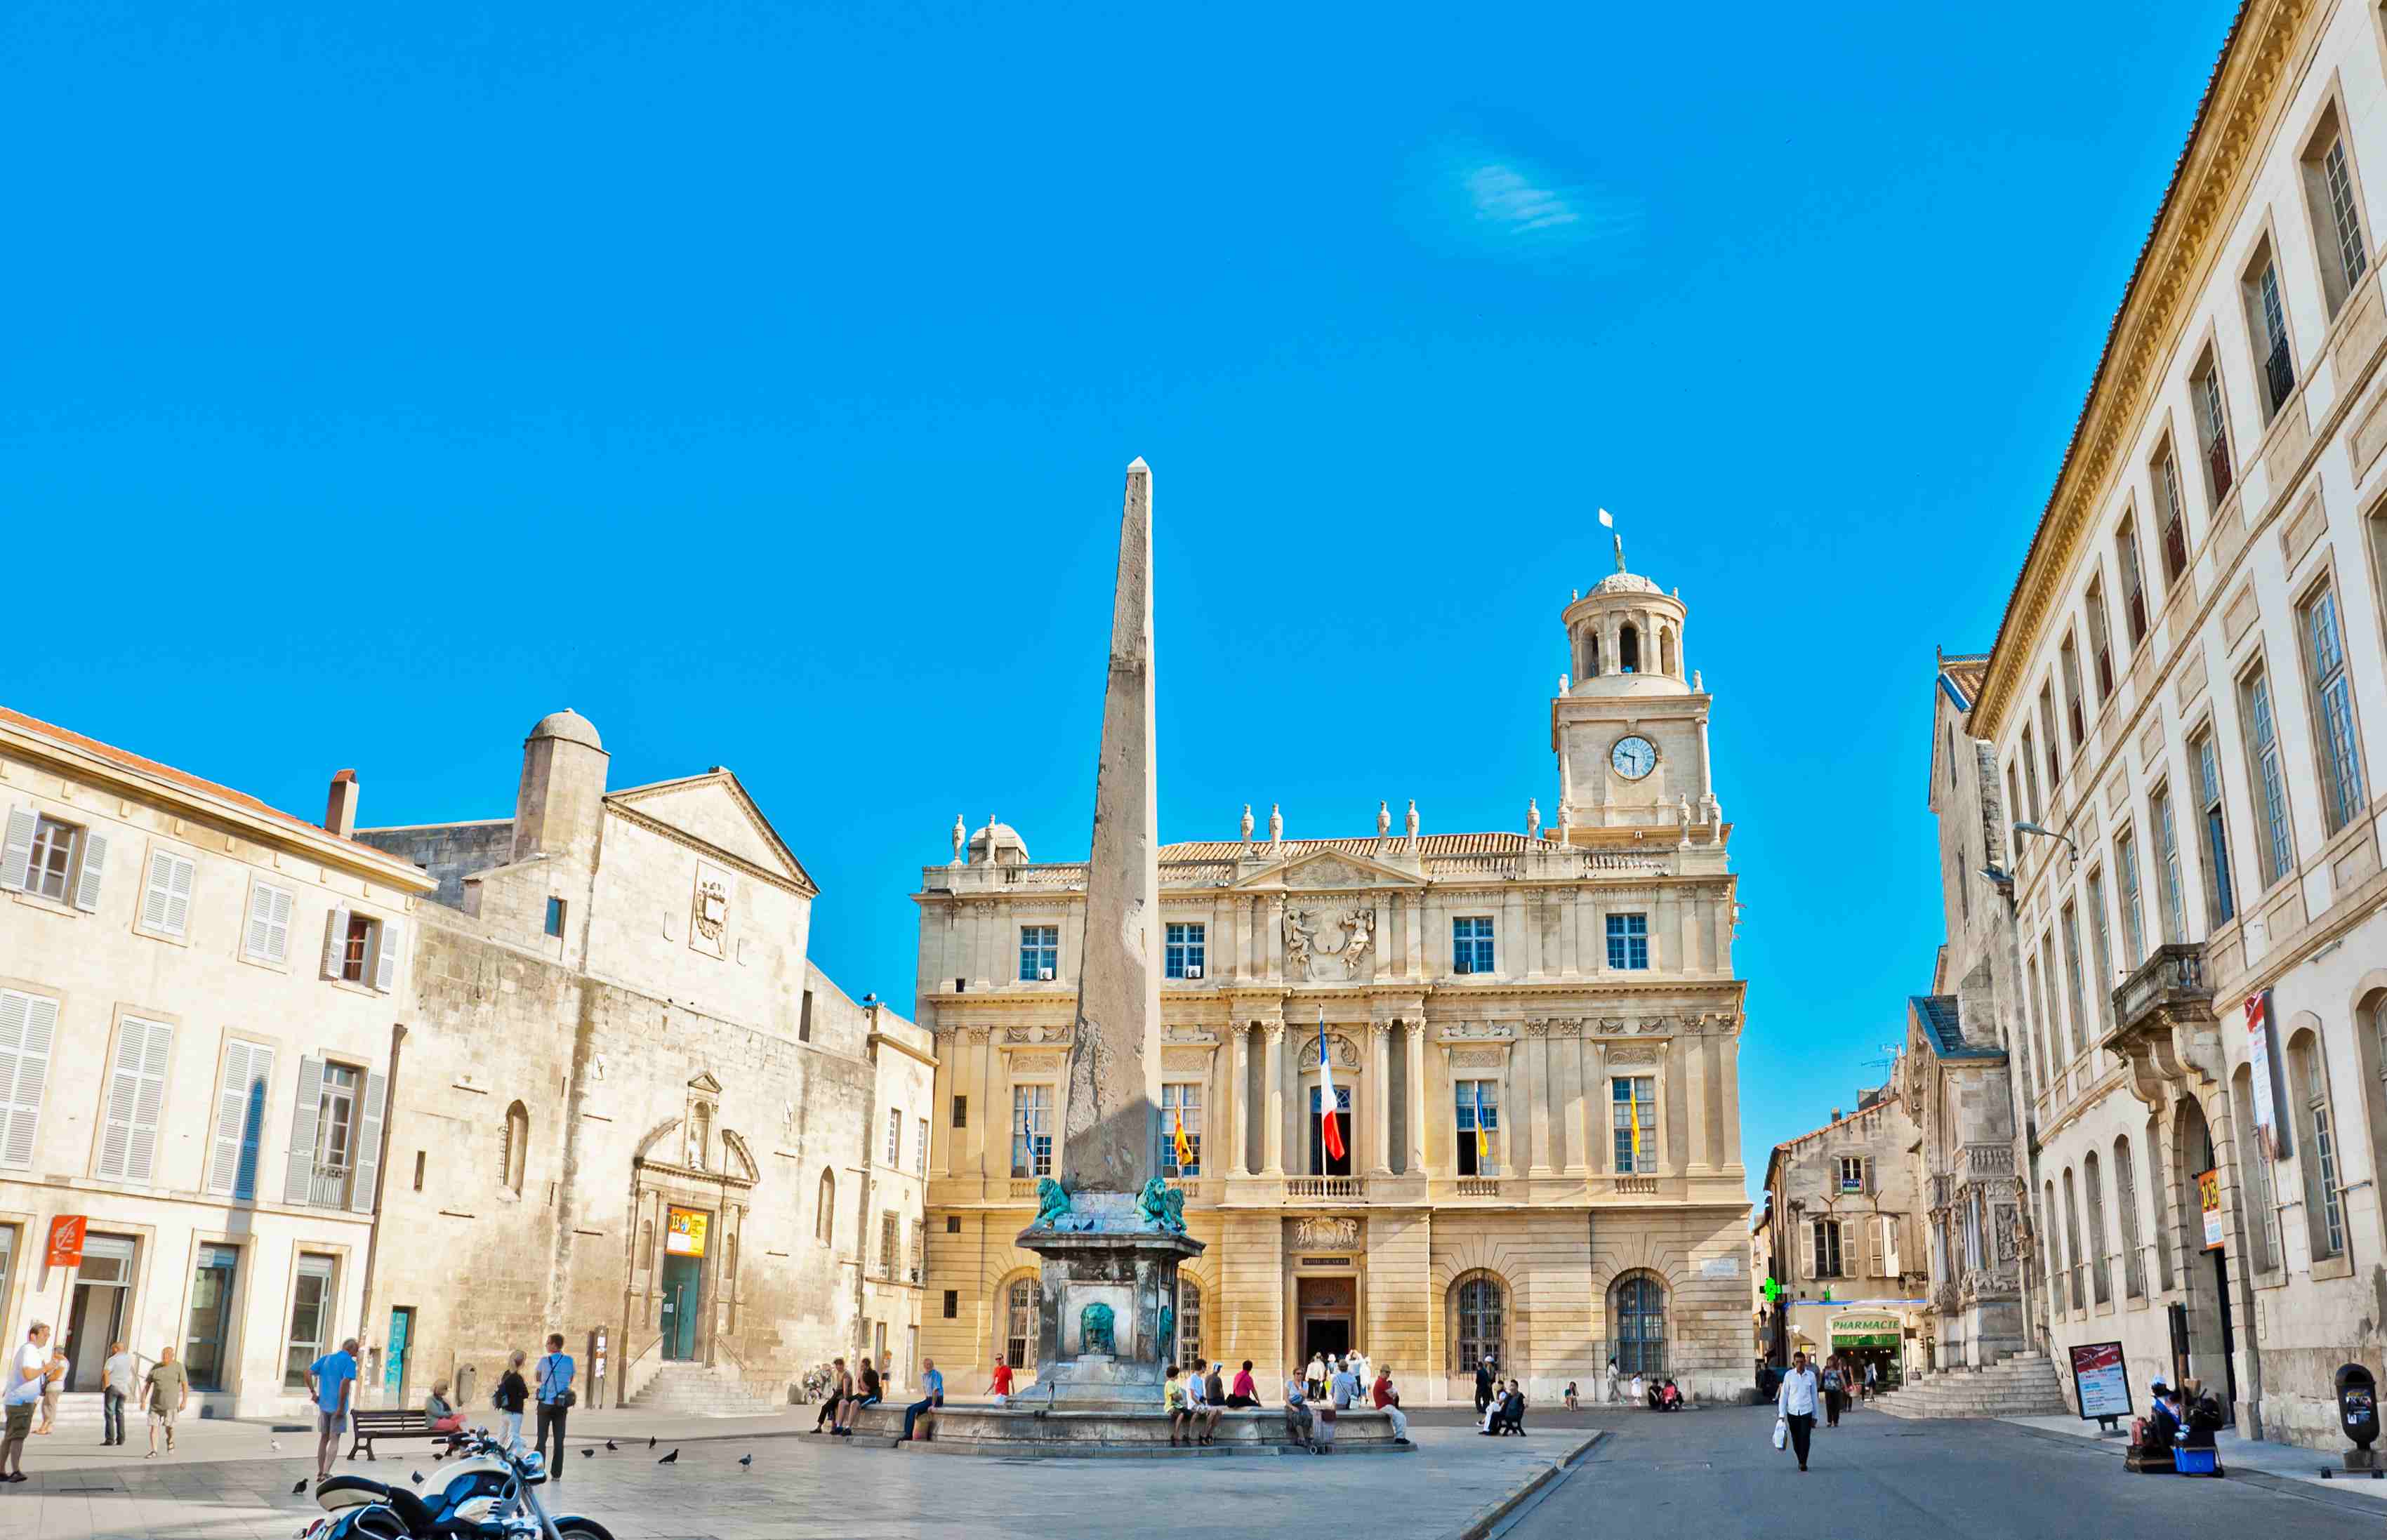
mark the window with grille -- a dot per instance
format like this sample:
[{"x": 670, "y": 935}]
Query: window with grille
[
  {"x": 1638, "y": 1304},
  {"x": 2075, "y": 717},
  {"x": 1189, "y": 1321},
  {"x": 1182, "y": 956},
  {"x": 1031, "y": 1135},
  {"x": 2274, "y": 847},
  {"x": 1476, "y": 1118},
  {"x": 2255, "y": 1173},
  {"x": 2168, "y": 875},
  {"x": 1633, "y": 1102},
  {"x": 2134, "y": 588},
  {"x": 1019, "y": 1324},
  {"x": 2212, "y": 430},
  {"x": 1180, "y": 1107},
  {"x": 2101, "y": 642},
  {"x": 2268, "y": 326},
  {"x": 920, "y": 1149},
  {"x": 2332, "y": 703},
  {"x": 1628, "y": 941},
  {"x": 1039, "y": 953},
  {"x": 886, "y": 1222},
  {"x": 1482, "y": 1323},
  {"x": 1471, "y": 944},
  {"x": 2213, "y": 833}
]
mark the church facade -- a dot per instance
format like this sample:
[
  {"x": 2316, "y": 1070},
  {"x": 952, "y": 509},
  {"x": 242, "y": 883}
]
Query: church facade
[{"x": 1531, "y": 1040}]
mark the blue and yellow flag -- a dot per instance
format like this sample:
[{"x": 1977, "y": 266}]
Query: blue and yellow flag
[
  {"x": 1483, "y": 1137},
  {"x": 1184, "y": 1146}
]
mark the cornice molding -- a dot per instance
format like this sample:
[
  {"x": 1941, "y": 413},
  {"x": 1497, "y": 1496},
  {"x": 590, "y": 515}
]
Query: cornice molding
[{"x": 709, "y": 851}]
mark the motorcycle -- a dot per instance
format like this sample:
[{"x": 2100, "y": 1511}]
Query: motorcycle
[{"x": 489, "y": 1494}]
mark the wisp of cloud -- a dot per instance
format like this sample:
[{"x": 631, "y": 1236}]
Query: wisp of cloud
[{"x": 1473, "y": 198}]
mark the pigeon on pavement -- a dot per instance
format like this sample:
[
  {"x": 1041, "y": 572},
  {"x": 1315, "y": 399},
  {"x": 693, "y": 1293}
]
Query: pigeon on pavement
[
  {"x": 748, "y": 1461},
  {"x": 418, "y": 1477},
  {"x": 611, "y": 1444},
  {"x": 672, "y": 1459},
  {"x": 300, "y": 1488},
  {"x": 275, "y": 1442},
  {"x": 650, "y": 1441},
  {"x": 587, "y": 1453}
]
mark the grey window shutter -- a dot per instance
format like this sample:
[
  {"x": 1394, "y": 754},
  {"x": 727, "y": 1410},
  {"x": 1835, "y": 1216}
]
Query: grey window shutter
[
  {"x": 232, "y": 1114},
  {"x": 16, "y": 850},
  {"x": 385, "y": 949},
  {"x": 27, "y": 1024},
  {"x": 360, "y": 1197},
  {"x": 301, "y": 1175},
  {"x": 95, "y": 862},
  {"x": 336, "y": 938}
]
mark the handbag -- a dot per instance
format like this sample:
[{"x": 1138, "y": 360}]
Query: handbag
[{"x": 1781, "y": 1432}]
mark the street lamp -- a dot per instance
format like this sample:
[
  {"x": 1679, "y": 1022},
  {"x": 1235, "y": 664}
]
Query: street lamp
[{"x": 2050, "y": 833}]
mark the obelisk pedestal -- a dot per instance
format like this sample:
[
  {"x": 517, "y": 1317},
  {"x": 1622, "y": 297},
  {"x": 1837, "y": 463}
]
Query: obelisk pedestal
[{"x": 1110, "y": 1231}]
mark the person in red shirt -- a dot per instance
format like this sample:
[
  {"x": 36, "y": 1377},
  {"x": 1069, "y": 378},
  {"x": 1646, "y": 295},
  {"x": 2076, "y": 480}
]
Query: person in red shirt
[
  {"x": 1388, "y": 1402},
  {"x": 1244, "y": 1393},
  {"x": 1002, "y": 1381}
]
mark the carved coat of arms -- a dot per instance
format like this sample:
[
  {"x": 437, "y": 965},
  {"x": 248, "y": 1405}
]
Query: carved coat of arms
[{"x": 1328, "y": 942}]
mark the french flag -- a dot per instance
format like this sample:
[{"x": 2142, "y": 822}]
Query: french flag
[{"x": 1330, "y": 1118}]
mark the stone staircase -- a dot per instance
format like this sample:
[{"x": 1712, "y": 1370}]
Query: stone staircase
[
  {"x": 692, "y": 1390},
  {"x": 2023, "y": 1385}
]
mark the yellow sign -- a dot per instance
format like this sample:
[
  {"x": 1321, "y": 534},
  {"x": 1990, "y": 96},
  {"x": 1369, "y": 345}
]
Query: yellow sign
[
  {"x": 684, "y": 1232},
  {"x": 2208, "y": 1204}
]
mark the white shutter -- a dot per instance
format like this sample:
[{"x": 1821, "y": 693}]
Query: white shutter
[
  {"x": 336, "y": 938},
  {"x": 95, "y": 860},
  {"x": 232, "y": 1115},
  {"x": 27, "y": 1024},
  {"x": 166, "y": 898},
  {"x": 389, "y": 935},
  {"x": 299, "y": 1174},
  {"x": 267, "y": 938},
  {"x": 158, "y": 1056},
  {"x": 1807, "y": 1248},
  {"x": 1890, "y": 1259},
  {"x": 16, "y": 852},
  {"x": 367, "y": 1158},
  {"x": 136, "y": 1096}
]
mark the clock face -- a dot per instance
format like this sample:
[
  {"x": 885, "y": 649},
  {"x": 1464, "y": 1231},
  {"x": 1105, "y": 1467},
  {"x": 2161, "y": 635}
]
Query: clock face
[{"x": 1634, "y": 757}]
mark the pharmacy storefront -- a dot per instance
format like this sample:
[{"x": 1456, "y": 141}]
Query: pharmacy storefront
[{"x": 1874, "y": 1337}]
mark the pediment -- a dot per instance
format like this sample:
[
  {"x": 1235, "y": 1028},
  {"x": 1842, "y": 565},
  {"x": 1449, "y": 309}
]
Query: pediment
[
  {"x": 1318, "y": 871},
  {"x": 713, "y": 811},
  {"x": 706, "y": 1082}
]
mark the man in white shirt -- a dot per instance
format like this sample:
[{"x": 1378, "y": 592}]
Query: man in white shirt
[
  {"x": 1797, "y": 1399},
  {"x": 28, "y": 1370}
]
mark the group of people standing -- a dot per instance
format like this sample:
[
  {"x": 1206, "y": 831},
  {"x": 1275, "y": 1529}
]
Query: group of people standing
[
  {"x": 37, "y": 1374},
  {"x": 1316, "y": 1397}
]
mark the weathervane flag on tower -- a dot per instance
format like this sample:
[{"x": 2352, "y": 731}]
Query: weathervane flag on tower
[
  {"x": 1330, "y": 1122},
  {"x": 1607, "y": 520}
]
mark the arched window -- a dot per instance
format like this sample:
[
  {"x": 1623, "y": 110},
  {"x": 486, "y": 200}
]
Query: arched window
[
  {"x": 825, "y": 1220},
  {"x": 2370, "y": 1045},
  {"x": 2101, "y": 1281},
  {"x": 2052, "y": 1244},
  {"x": 2257, "y": 1201},
  {"x": 1019, "y": 1324},
  {"x": 1189, "y": 1320},
  {"x": 1590, "y": 652},
  {"x": 1667, "y": 664},
  {"x": 2317, "y": 1138},
  {"x": 2072, "y": 1240},
  {"x": 513, "y": 1153},
  {"x": 2125, "y": 1202},
  {"x": 2159, "y": 1191},
  {"x": 1637, "y": 1306},
  {"x": 1628, "y": 651},
  {"x": 1480, "y": 1327},
  {"x": 700, "y": 1135}
]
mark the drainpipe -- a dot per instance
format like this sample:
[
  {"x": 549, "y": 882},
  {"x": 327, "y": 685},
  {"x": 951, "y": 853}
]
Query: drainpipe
[
  {"x": 861, "y": 1219},
  {"x": 381, "y": 1191}
]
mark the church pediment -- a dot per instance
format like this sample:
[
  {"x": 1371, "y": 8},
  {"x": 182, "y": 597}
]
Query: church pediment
[
  {"x": 713, "y": 811},
  {"x": 1325, "y": 871}
]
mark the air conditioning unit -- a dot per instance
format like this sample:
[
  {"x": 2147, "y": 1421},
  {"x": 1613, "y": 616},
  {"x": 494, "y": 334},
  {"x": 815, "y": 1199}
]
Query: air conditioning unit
[
  {"x": 1044, "y": 976},
  {"x": 1194, "y": 972}
]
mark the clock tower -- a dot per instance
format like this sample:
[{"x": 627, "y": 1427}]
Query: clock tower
[{"x": 1629, "y": 723}]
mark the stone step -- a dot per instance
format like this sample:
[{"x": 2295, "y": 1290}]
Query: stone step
[{"x": 691, "y": 1389}]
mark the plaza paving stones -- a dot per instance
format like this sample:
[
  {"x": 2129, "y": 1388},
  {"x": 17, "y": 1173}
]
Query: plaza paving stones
[{"x": 225, "y": 1484}]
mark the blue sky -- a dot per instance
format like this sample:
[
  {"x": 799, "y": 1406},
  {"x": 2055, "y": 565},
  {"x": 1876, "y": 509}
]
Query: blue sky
[{"x": 758, "y": 381}]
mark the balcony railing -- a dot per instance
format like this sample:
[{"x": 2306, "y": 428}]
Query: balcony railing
[
  {"x": 2171, "y": 980},
  {"x": 1023, "y": 1187},
  {"x": 1325, "y": 1188},
  {"x": 2217, "y": 463},
  {"x": 2280, "y": 373},
  {"x": 327, "y": 1186},
  {"x": 1478, "y": 1187},
  {"x": 1637, "y": 1184}
]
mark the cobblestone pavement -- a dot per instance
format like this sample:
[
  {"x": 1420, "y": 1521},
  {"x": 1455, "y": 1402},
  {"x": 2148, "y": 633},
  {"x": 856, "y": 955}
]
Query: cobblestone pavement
[{"x": 227, "y": 1483}]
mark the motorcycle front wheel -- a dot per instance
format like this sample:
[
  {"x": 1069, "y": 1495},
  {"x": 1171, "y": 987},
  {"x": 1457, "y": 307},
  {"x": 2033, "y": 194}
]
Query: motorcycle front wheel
[{"x": 582, "y": 1529}]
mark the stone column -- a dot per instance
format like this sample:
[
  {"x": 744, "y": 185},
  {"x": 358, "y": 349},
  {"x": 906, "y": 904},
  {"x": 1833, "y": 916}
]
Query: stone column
[
  {"x": 1701, "y": 1145},
  {"x": 1568, "y": 1053},
  {"x": 1413, "y": 918},
  {"x": 1536, "y": 1077},
  {"x": 1509, "y": 944},
  {"x": 1275, "y": 1072},
  {"x": 1379, "y": 1098},
  {"x": 1600, "y": 1150},
  {"x": 1275, "y": 937},
  {"x": 1732, "y": 1099},
  {"x": 1529, "y": 901},
  {"x": 1247, "y": 936},
  {"x": 1413, "y": 1036},
  {"x": 1239, "y": 1162},
  {"x": 970, "y": 1057},
  {"x": 1565, "y": 898}
]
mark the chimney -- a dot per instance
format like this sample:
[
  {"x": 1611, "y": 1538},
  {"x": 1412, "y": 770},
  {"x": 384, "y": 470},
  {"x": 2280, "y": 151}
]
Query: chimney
[
  {"x": 1835, "y": 1115},
  {"x": 340, "y": 810}
]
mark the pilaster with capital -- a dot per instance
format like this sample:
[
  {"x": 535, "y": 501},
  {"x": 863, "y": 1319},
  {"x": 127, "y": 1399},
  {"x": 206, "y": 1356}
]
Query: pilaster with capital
[
  {"x": 1413, "y": 1041},
  {"x": 1239, "y": 1155},
  {"x": 1276, "y": 936},
  {"x": 1536, "y": 1048},
  {"x": 1379, "y": 1098},
  {"x": 1568, "y": 1053},
  {"x": 1274, "y": 1069}
]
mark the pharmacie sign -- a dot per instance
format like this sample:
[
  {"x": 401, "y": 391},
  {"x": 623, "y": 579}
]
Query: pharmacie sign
[{"x": 1866, "y": 1330}]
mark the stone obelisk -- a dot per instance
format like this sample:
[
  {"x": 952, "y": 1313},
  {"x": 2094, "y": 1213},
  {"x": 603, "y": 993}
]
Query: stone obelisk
[
  {"x": 1110, "y": 1123},
  {"x": 1110, "y": 1233}
]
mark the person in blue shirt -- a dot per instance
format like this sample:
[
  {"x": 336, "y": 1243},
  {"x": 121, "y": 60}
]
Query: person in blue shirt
[
  {"x": 332, "y": 1378},
  {"x": 934, "y": 1382},
  {"x": 553, "y": 1375}
]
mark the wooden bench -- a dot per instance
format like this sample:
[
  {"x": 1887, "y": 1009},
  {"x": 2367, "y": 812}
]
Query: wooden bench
[{"x": 371, "y": 1425}]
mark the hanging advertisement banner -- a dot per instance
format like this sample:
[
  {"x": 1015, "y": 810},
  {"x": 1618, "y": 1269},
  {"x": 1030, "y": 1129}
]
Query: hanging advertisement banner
[
  {"x": 2208, "y": 1203},
  {"x": 2100, "y": 1381},
  {"x": 2264, "y": 1080},
  {"x": 684, "y": 1232},
  {"x": 66, "y": 1239}
]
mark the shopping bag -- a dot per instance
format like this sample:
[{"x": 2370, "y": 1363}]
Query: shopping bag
[{"x": 1781, "y": 1432}]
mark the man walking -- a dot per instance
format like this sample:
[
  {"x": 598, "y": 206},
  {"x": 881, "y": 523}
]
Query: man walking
[
  {"x": 117, "y": 1388},
  {"x": 165, "y": 1393},
  {"x": 1797, "y": 1403},
  {"x": 934, "y": 1383},
  {"x": 332, "y": 1381},
  {"x": 1483, "y": 1385},
  {"x": 555, "y": 1399},
  {"x": 28, "y": 1371}
]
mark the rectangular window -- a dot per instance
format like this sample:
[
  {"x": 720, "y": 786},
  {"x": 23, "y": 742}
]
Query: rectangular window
[
  {"x": 2332, "y": 704},
  {"x": 2267, "y": 324},
  {"x": 1031, "y": 1130},
  {"x": 2072, "y": 978},
  {"x": 2171, "y": 891},
  {"x": 961, "y": 1112},
  {"x": 2134, "y": 587},
  {"x": 2275, "y": 851},
  {"x": 50, "y": 872},
  {"x": 887, "y": 1230},
  {"x": 2038, "y": 1027},
  {"x": 555, "y": 916},
  {"x": 953, "y": 1224},
  {"x": 1853, "y": 1174},
  {"x": 211, "y": 1305},
  {"x": 2212, "y": 430},
  {"x": 952, "y": 1303},
  {"x": 312, "y": 1302},
  {"x": 1633, "y": 1105},
  {"x": 267, "y": 939},
  {"x": 805, "y": 1021},
  {"x": 2047, "y": 727},
  {"x": 920, "y": 1149},
  {"x": 28, "y": 1024},
  {"x": 1471, "y": 944},
  {"x": 894, "y": 1139},
  {"x": 2030, "y": 773},
  {"x": 1628, "y": 941},
  {"x": 1476, "y": 1116},
  {"x": 166, "y": 897},
  {"x": 2126, "y": 874},
  {"x": 335, "y": 1135},
  {"x": 1186, "y": 944},
  {"x": 2213, "y": 833},
  {"x": 2171, "y": 516},
  {"x": 1039, "y": 953},
  {"x": 1828, "y": 1249},
  {"x": 2100, "y": 643},
  {"x": 1181, "y": 1106},
  {"x": 2330, "y": 180},
  {"x": 240, "y": 1118},
  {"x": 2100, "y": 954},
  {"x": 356, "y": 949},
  {"x": 136, "y": 1099},
  {"x": 2075, "y": 717}
]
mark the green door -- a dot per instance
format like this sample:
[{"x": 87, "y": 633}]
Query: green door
[{"x": 680, "y": 1277}]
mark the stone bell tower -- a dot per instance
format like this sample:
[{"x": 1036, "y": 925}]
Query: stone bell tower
[{"x": 1630, "y": 724}]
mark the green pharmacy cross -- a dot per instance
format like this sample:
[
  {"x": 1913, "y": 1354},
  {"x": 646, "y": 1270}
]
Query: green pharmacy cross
[{"x": 1773, "y": 1291}]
